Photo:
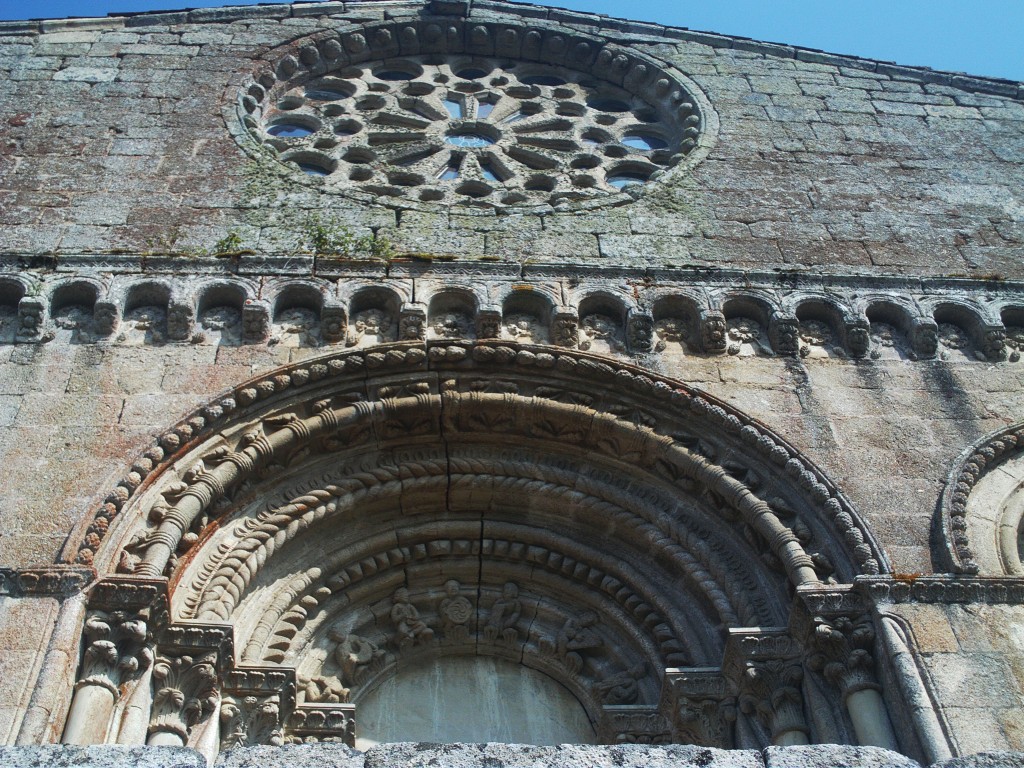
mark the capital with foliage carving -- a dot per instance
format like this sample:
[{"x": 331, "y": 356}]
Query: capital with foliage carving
[
  {"x": 770, "y": 690},
  {"x": 185, "y": 691},
  {"x": 117, "y": 649},
  {"x": 841, "y": 650}
]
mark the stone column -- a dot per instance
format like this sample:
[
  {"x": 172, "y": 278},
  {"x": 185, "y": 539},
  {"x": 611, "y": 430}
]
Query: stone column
[
  {"x": 184, "y": 692},
  {"x": 117, "y": 649},
  {"x": 912, "y": 691},
  {"x": 842, "y": 651},
  {"x": 764, "y": 666}
]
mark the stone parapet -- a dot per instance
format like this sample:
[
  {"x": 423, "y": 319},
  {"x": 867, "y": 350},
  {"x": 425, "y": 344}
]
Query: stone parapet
[{"x": 408, "y": 754}]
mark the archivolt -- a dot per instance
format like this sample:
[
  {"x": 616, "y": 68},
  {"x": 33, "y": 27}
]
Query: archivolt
[
  {"x": 983, "y": 504},
  {"x": 701, "y": 489}
]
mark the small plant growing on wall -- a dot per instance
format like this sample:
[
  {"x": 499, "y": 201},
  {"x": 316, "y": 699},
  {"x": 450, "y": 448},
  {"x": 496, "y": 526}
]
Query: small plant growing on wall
[{"x": 328, "y": 237}]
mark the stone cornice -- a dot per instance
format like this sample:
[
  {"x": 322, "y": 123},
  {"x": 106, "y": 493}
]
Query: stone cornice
[
  {"x": 941, "y": 589},
  {"x": 45, "y": 581},
  {"x": 308, "y": 265}
]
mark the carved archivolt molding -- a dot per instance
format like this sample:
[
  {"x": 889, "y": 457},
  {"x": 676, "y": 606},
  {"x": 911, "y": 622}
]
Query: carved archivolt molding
[
  {"x": 363, "y": 511},
  {"x": 982, "y": 506},
  {"x": 620, "y": 410}
]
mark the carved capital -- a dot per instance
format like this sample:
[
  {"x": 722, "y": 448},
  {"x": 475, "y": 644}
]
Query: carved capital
[
  {"x": 702, "y": 707},
  {"x": 412, "y": 323},
  {"x": 633, "y": 725},
  {"x": 117, "y": 649},
  {"x": 488, "y": 324},
  {"x": 106, "y": 317},
  {"x": 565, "y": 328},
  {"x": 31, "y": 311},
  {"x": 247, "y": 721},
  {"x": 323, "y": 722},
  {"x": 766, "y": 669},
  {"x": 770, "y": 690},
  {"x": 47, "y": 581},
  {"x": 925, "y": 338},
  {"x": 185, "y": 691},
  {"x": 841, "y": 649},
  {"x": 858, "y": 337},
  {"x": 333, "y": 323},
  {"x": 784, "y": 334},
  {"x": 255, "y": 321},
  {"x": 993, "y": 342},
  {"x": 180, "y": 320}
]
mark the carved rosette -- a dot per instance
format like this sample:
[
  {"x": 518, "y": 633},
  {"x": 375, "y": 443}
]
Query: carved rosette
[
  {"x": 184, "y": 693},
  {"x": 117, "y": 650},
  {"x": 412, "y": 326}
]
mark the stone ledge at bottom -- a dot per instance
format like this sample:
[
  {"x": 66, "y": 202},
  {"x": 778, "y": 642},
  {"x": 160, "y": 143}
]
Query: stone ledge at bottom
[
  {"x": 99, "y": 756},
  {"x": 424, "y": 755}
]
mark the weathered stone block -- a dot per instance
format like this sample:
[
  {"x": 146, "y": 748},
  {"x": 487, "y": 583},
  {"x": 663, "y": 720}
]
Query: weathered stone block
[
  {"x": 68, "y": 756},
  {"x": 415, "y": 755},
  {"x": 835, "y": 756},
  {"x": 985, "y": 760},
  {"x": 291, "y": 756}
]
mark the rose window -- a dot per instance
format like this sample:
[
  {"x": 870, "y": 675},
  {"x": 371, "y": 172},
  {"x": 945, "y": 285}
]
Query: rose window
[{"x": 474, "y": 131}]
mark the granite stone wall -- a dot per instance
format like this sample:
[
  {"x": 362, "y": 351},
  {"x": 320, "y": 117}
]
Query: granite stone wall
[{"x": 842, "y": 263}]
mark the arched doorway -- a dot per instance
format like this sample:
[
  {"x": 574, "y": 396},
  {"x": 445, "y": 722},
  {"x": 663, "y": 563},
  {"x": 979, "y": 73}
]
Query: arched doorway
[{"x": 328, "y": 530}]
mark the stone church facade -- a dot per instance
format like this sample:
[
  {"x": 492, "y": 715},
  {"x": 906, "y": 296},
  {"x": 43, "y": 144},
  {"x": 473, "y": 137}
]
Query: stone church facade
[{"x": 477, "y": 371}]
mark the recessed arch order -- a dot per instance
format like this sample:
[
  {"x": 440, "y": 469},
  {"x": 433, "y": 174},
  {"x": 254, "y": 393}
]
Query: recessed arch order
[{"x": 368, "y": 510}]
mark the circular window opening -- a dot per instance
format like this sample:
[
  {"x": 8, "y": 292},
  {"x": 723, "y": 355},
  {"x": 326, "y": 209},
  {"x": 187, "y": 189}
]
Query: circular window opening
[
  {"x": 542, "y": 80},
  {"x": 623, "y": 179},
  {"x": 325, "y": 94},
  {"x": 394, "y": 75},
  {"x": 289, "y": 130},
  {"x": 644, "y": 141},
  {"x": 472, "y": 699},
  {"x": 451, "y": 121},
  {"x": 608, "y": 105},
  {"x": 472, "y": 73}
]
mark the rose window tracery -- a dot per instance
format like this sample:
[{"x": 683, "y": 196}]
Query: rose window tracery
[{"x": 477, "y": 131}]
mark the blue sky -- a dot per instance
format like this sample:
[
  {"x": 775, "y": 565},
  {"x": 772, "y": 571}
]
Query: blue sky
[{"x": 981, "y": 37}]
